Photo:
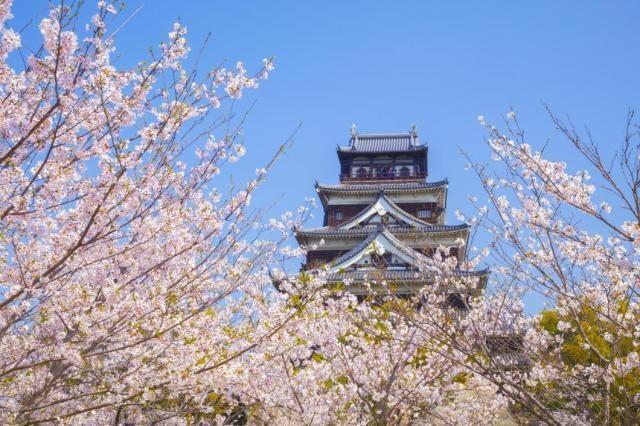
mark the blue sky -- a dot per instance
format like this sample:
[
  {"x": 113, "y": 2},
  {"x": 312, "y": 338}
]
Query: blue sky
[{"x": 385, "y": 65}]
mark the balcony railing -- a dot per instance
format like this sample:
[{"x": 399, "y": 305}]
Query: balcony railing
[{"x": 363, "y": 177}]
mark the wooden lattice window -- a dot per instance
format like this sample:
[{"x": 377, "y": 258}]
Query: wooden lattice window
[{"x": 424, "y": 213}]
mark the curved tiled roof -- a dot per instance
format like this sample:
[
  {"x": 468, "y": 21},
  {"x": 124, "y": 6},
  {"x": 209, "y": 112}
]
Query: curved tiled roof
[
  {"x": 403, "y": 275},
  {"x": 388, "y": 187},
  {"x": 391, "y": 142},
  {"x": 361, "y": 231}
]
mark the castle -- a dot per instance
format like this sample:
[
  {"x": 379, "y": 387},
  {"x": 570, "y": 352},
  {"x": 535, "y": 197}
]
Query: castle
[{"x": 383, "y": 220}]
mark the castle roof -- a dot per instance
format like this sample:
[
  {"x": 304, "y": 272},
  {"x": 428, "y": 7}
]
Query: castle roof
[
  {"x": 358, "y": 226},
  {"x": 383, "y": 143},
  {"x": 397, "y": 275},
  {"x": 388, "y": 187},
  {"x": 379, "y": 242},
  {"x": 362, "y": 231}
]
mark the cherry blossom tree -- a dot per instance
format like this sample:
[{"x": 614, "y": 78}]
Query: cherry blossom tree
[
  {"x": 133, "y": 289},
  {"x": 571, "y": 237},
  {"x": 136, "y": 286},
  {"x": 351, "y": 362},
  {"x": 128, "y": 280}
]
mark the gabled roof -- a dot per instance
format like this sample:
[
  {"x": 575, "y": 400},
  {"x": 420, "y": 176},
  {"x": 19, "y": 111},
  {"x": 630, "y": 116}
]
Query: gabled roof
[
  {"x": 382, "y": 206},
  {"x": 378, "y": 242}
]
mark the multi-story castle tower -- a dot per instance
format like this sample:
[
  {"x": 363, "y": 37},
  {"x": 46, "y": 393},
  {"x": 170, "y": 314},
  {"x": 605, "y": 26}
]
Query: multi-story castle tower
[{"x": 383, "y": 219}]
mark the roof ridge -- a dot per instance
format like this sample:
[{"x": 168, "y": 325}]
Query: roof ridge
[
  {"x": 374, "y": 135},
  {"x": 402, "y": 246},
  {"x": 399, "y": 245},
  {"x": 359, "y": 247}
]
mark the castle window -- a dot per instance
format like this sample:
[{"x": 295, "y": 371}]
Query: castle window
[
  {"x": 362, "y": 172},
  {"x": 338, "y": 215},
  {"x": 424, "y": 213},
  {"x": 404, "y": 171},
  {"x": 455, "y": 300}
]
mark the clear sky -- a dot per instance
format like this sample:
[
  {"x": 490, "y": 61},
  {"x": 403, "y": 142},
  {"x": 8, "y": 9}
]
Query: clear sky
[{"x": 387, "y": 64}]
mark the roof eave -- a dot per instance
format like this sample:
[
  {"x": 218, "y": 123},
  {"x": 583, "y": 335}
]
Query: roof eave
[
  {"x": 348, "y": 150},
  {"x": 432, "y": 186},
  {"x": 333, "y": 234}
]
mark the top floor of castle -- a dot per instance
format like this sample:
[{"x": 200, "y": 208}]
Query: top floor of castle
[{"x": 395, "y": 157}]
